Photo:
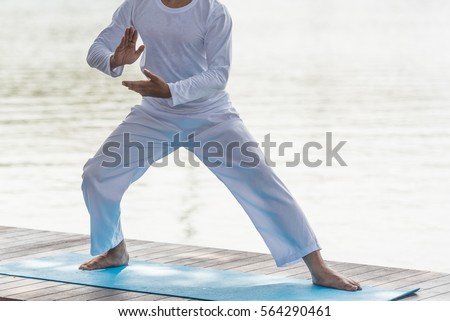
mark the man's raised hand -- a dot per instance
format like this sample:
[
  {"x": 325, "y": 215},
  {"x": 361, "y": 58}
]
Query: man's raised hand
[{"x": 126, "y": 52}]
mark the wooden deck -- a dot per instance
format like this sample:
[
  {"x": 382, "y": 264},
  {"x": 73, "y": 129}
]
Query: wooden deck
[{"x": 19, "y": 243}]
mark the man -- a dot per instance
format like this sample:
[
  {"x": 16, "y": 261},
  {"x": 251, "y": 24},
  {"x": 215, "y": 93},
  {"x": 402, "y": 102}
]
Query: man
[{"x": 188, "y": 50}]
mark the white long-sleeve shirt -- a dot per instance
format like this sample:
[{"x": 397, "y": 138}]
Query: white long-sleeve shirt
[{"x": 188, "y": 47}]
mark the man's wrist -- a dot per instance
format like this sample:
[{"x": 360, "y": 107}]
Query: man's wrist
[
  {"x": 113, "y": 63},
  {"x": 167, "y": 93}
]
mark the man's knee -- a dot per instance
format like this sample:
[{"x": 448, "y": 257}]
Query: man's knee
[{"x": 92, "y": 171}]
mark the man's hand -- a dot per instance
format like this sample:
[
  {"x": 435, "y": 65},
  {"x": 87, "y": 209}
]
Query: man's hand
[
  {"x": 126, "y": 52},
  {"x": 153, "y": 87}
]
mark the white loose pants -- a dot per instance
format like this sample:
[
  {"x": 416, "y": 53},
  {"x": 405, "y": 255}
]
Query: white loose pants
[{"x": 269, "y": 204}]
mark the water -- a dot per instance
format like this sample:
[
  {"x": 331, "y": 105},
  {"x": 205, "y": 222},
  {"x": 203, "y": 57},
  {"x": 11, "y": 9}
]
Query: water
[{"x": 375, "y": 73}]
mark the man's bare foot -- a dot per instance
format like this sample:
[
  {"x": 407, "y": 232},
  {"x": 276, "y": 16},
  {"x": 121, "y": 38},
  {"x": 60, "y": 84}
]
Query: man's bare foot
[
  {"x": 117, "y": 256},
  {"x": 324, "y": 276}
]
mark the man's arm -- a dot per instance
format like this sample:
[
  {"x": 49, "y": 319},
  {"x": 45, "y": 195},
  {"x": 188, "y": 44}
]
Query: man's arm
[
  {"x": 116, "y": 45},
  {"x": 218, "y": 55}
]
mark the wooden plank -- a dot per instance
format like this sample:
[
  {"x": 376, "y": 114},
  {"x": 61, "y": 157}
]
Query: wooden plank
[
  {"x": 383, "y": 280},
  {"x": 36, "y": 238},
  {"x": 426, "y": 295},
  {"x": 265, "y": 262},
  {"x": 12, "y": 230},
  {"x": 11, "y": 235},
  {"x": 121, "y": 296},
  {"x": 373, "y": 275},
  {"x": 105, "y": 294},
  {"x": 432, "y": 288},
  {"x": 68, "y": 290},
  {"x": 173, "y": 298},
  {"x": 289, "y": 271},
  {"x": 233, "y": 261},
  {"x": 17, "y": 284},
  {"x": 148, "y": 297},
  {"x": 30, "y": 246},
  {"x": 299, "y": 268},
  {"x": 23, "y": 233},
  {"x": 6, "y": 279},
  {"x": 155, "y": 248},
  {"x": 160, "y": 255},
  {"x": 26, "y": 288},
  {"x": 93, "y": 295},
  {"x": 47, "y": 248},
  {"x": 431, "y": 282},
  {"x": 205, "y": 258},
  {"x": 48, "y": 252},
  {"x": 361, "y": 271},
  {"x": 191, "y": 255},
  {"x": 130, "y": 296},
  {"x": 134, "y": 248},
  {"x": 220, "y": 262},
  {"x": 4, "y": 228},
  {"x": 46, "y": 289},
  {"x": 439, "y": 297},
  {"x": 377, "y": 277},
  {"x": 423, "y": 295},
  {"x": 342, "y": 267},
  {"x": 28, "y": 239},
  {"x": 409, "y": 281}
]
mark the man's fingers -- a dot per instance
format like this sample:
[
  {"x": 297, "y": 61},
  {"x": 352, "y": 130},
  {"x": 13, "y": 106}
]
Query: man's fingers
[
  {"x": 132, "y": 86},
  {"x": 141, "y": 86},
  {"x": 135, "y": 35},
  {"x": 129, "y": 84},
  {"x": 136, "y": 84},
  {"x": 127, "y": 34},
  {"x": 148, "y": 88},
  {"x": 140, "y": 49}
]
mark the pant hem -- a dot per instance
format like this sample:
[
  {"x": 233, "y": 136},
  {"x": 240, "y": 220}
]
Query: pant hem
[
  {"x": 96, "y": 251},
  {"x": 297, "y": 257}
]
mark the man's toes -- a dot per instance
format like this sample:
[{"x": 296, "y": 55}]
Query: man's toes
[
  {"x": 86, "y": 266},
  {"x": 351, "y": 287},
  {"x": 358, "y": 286},
  {"x": 89, "y": 265}
]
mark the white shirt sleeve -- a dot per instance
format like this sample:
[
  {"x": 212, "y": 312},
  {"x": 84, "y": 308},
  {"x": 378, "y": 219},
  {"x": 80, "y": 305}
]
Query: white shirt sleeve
[
  {"x": 218, "y": 56},
  {"x": 99, "y": 55}
]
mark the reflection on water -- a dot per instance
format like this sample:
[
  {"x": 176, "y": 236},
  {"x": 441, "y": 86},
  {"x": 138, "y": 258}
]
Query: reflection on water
[{"x": 375, "y": 73}]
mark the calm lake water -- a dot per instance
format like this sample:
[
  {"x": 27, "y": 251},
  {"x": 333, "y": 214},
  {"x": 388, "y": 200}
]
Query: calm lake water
[{"x": 374, "y": 73}]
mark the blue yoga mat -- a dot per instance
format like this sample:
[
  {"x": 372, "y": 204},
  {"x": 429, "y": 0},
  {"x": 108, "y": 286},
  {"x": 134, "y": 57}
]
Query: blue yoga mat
[{"x": 188, "y": 282}]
